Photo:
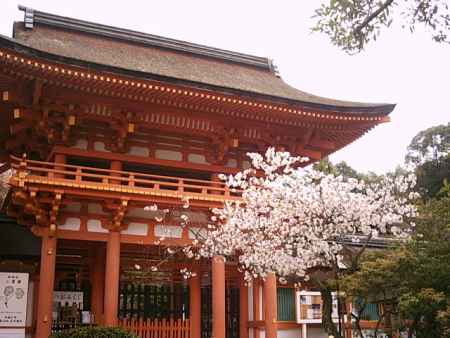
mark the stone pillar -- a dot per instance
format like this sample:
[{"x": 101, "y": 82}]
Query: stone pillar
[
  {"x": 97, "y": 276},
  {"x": 46, "y": 285},
  {"x": 243, "y": 308},
  {"x": 270, "y": 305},
  {"x": 218, "y": 297},
  {"x": 195, "y": 305},
  {"x": 112, "y": 274}
]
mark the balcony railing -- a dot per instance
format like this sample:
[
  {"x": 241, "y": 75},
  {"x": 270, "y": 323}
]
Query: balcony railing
[{"x": 61, "y": 176}]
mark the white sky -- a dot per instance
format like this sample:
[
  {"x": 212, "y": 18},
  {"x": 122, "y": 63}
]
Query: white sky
[{"x": 403, "y": 68}]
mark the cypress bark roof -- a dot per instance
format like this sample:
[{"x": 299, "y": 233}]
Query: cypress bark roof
[{"x": 178, "y": 60}]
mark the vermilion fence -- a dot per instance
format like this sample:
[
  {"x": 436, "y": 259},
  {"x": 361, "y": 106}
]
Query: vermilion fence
[{"x": 157, "y": 328}]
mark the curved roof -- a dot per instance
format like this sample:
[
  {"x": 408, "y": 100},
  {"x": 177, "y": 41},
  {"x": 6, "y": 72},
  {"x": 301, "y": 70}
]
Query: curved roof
[{"x": 173, "y": 59}]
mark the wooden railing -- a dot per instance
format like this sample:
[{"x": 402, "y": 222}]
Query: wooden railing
[
  {"x": 157, "y": 328},
  {"x": 73, "y": 176}
]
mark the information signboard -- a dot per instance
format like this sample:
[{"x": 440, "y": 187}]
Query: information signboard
[
  {"x": 309, "y": 307},
  {"x": 13, "y": 299},
  {"x": 13, "y": 304}
]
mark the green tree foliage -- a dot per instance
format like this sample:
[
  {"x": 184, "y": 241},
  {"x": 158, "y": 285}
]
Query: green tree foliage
[
  {"x": 339, "y": 169},
  {"x": 429, "y": 145},
  {"x": 412, "y": 282},
  {"x": 352, "y": 24},
  {"x": 429, "y": 152}
]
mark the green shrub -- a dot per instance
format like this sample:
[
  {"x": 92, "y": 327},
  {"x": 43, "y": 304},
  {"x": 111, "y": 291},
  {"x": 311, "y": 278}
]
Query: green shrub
[{"x": 94, "y": 332}]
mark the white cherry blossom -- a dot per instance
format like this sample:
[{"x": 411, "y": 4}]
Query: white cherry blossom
[{"x": 292, "y": 219}]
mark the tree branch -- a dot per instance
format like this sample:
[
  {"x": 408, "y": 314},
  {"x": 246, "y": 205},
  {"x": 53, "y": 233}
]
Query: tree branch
[{"x": 373, "y": 16}]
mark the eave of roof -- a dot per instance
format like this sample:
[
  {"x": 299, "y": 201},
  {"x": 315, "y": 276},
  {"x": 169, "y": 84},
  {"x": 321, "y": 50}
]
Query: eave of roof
[{"x": 274, "y": 89}]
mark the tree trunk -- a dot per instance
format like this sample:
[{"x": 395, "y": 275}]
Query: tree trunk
[{"x": 327, "y": 310}]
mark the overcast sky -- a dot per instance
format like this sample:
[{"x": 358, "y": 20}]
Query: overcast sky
[{"x": 407, "y": 69}]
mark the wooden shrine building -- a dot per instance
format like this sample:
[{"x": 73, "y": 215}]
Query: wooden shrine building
[{"x": 99, "y": 122}]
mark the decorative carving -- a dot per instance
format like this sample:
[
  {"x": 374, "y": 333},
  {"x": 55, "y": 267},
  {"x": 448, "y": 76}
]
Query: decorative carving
[{"x": 118, "y": 211}]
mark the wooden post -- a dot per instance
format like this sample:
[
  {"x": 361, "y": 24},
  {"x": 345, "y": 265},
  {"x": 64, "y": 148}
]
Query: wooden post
[
  {"x": 46, "y": 284},
  {"x": 218, "y": 297},
  {"x": 116, "y": 165},
  {"x": 243, "y": 308},
  {"x": 112, "y": 274},
  {"x": 270, "y": 305},
  {"x": 195, "y": 303},
  {"x": 61, "y": 159},
  {"x": 304, "y": 331},
  {"x": 256, "y": 307},
  {"x": 97, "y": 276}
]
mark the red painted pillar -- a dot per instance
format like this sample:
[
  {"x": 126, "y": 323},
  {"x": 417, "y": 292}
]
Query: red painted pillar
[
  {"x": 46, "y": 284},
  {"x": 97, "y": 275},
  {"x": 112, "y": 274},
  {"x": 270, "y": 305},
  {"x": 116, "y": 165},
  {"x": 60, "y": 158},
  {"x": 195, "y": 303},
  {"x": 218, "y": 297},
  {"x": 256, "y": 307},
  {"x": 243, "y": 308}
]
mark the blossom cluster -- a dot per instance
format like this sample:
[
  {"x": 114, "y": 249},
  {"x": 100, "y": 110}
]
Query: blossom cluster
[{"x": 291, "y": 219}]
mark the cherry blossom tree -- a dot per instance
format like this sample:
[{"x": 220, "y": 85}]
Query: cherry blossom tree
[{"x": 292, "y": 221}]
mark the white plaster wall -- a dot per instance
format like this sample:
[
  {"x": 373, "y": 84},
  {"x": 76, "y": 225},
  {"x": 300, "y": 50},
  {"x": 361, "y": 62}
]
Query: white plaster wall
[
  {"x": 164, "y": 154},
  {"x": 100, "y": 146},
  {"x": 197, "y": 158},
  {"x": 139, "y": 151},
  {"x": 71, "y": 223},
  {"x": 135, "y": 228},
  {"x": 95, "y": 225},
  {"x": 169, "y": 231},
  {"x": 291, "y": 333}
]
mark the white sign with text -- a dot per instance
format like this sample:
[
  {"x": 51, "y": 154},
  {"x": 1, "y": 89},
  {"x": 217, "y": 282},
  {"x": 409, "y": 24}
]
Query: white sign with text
[{"x": 13, "y": 304}]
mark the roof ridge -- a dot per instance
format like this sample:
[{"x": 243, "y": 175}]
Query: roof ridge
[{"x": 32, "y": 16}]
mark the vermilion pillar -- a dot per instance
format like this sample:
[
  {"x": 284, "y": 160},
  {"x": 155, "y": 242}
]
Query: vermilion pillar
[
  {"x": 60, "y": 158},
  {"x": 116, "y": 165},
  {"x": 195, "y": 303},
  {"x": 243, "y": 309},
  {"x": 97, "y": 275},
  {"x": 218, "y": 297},
  {"x": 112, "y": 272},
  {"x": 270, "y": 305},
  {"x": 46, "y": 284},
  {"x": 256, "y": 306}
]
